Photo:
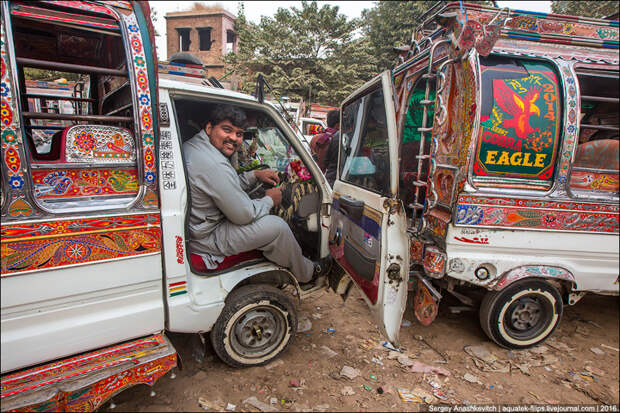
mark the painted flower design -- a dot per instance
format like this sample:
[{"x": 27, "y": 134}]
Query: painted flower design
[
  {"x": 147, "y": 121},
  {"x": 144, "y": 99},
  {"x": 550, "y": 221},
  {"x": 8, "y": 136},
  {"x": 139, "y": 61},
  {"x": 133, "y": 28},
  {"x": 571, "y": 128},
  {"x": 85, "y": 142},
  {"x": 148, "y": 158},
  {"x": 76, "y": 251},
  {"x": 136, "y": 44},
  {"x": 148, "y": 138},
  {"x": 5, "y": 111},
  {"x": 4, "y": 89},
  {"x": 16, "y": 182},
  {"x": 142, "y": 79},
  {"x": 149, "y": 177}
]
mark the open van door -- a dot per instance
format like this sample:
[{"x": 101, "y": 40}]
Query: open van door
[{"x": 368, "y": 235}]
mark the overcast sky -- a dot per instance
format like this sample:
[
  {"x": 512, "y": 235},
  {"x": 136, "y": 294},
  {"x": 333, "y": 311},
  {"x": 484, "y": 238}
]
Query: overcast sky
[{"x": 255, "y": 9}]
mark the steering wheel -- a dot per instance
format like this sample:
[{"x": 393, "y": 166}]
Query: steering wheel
[{"x": 258, "y": 191}]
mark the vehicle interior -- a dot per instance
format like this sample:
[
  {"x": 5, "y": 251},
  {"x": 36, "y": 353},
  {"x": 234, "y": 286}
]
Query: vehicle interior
[
  {"x": 76, "y": 104},
  {"x": 596, "y": 165},
  {"x": 264, "y": 145}
]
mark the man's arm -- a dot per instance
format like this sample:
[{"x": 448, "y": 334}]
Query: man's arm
[{"x": 222, "y": 186}]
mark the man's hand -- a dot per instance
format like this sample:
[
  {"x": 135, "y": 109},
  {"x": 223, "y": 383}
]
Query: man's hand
[
  {"x": 269, "y": 176},
  {"x": 275, "y": 194}
]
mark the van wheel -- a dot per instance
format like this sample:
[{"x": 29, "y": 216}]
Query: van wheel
[
  {"x": 521, "y": 315},
  {"x": 256, "y": 325}
]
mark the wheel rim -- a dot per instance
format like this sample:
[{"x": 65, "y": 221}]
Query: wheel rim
[
  {"x": 258, "y": 331},
  {"x": 528, "y": 316}
]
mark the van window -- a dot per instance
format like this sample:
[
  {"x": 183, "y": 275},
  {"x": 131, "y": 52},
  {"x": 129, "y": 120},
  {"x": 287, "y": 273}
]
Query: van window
[
  {"x": 364, "y": 156},
  {"x": 595, "y": 168},
  {"x": 521, "y": 114},
  {"x": 77, "y": 107}
]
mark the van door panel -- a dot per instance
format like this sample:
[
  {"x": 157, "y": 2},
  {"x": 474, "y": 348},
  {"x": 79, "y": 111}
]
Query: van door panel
[{"x": 367, "y": 234}]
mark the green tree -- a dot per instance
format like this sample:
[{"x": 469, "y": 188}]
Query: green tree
[
  {"x": 389, "y": 24},
  {"x": 392, "y": 23},
  {"x": 302, "y": 52},
  {"x": 596, "y": 9}
]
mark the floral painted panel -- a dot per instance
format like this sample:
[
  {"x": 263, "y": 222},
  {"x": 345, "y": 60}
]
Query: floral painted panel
[
  {"x": 537, "y": 214},
  {"x": 63, "y": 183},
  {"x": 100, "y": 144},
  {"x": 29, "y": 247}
]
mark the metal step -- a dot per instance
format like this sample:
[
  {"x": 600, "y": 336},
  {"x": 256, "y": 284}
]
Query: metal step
[
  {"x": 425, "y": 129},
  {"x": 427, "y": 102},
  {"x": 420, "y": 183},
  {"x": 422, "y": 156}
]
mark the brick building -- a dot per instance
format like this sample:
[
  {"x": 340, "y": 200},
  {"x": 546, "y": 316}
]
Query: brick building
[{"x": 207, "y": 34}]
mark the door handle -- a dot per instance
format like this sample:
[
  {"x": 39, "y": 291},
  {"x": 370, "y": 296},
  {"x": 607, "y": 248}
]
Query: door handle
[{"x": 353, "y": 207}]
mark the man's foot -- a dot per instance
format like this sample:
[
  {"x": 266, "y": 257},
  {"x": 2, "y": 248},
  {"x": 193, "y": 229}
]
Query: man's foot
[{"x": 321, "y": 268}]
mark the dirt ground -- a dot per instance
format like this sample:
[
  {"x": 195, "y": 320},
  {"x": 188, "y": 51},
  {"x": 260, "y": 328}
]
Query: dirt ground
[{"x": 563, "y": 370}]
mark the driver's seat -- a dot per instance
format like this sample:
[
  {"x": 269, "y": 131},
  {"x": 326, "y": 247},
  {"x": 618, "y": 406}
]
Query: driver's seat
[{"x": 198, "y": 265}]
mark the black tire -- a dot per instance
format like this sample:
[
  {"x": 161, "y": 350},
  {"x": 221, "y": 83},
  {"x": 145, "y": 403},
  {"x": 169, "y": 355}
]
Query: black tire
[
  {"x": 257, "y": 324},
  {"x": 522, "y": 315}
]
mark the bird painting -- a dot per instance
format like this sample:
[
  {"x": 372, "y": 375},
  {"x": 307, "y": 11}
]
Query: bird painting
[{"x": 521, "y": 108}]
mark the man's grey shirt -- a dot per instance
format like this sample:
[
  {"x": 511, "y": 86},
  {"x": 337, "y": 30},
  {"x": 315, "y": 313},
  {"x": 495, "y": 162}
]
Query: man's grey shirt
[{"x": 217, "y": 194}]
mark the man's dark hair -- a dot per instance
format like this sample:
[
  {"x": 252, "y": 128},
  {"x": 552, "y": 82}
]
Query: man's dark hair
[
  {"x": 230, "y": 113},
  {"x": 333, "y": 117}
]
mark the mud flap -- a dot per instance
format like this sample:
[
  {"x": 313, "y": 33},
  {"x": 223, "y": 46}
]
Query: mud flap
[{"x": 425, "y": 305}]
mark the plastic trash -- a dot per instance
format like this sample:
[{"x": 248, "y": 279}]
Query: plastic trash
[
  {"x": 408, "y": 396},
  {"x": 471, "y": 378},
  {"x": 367, "y": 387},
  {"x": 230, "y": 407},
  {"x": 331, "y": 331},
  {"x": 349, "y": 372},
  {"x": 418, "y": 367},
  {"x": 597, "y": 351},
  {"x": 263, "y": 407},
  {"x": 328, "y": 352}
]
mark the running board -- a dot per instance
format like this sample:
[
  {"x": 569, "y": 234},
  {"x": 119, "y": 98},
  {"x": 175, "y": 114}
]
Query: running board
[{"x": 85, "y": 382}]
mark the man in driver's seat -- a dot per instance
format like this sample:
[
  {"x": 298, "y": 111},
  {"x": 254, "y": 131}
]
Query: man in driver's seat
[{"x": 223, "y": 220}]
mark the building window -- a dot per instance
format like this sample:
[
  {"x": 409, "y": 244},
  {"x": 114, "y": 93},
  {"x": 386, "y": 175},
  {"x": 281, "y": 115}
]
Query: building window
[
  {"x": 205, "y": 38},
  {"x": 230, "y": 41},
  {"x": 184, "y": 40}
]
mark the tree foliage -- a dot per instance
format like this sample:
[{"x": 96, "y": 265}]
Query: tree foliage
[
  {"x": 596, "y": 9},
  {"x": 307, "y": 52},
  {"x": 317, "y": 53}
]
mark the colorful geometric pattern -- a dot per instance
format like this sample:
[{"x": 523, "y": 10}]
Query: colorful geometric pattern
[
  {"x": 63, "y": 183},
  {"x": 11, "y": 140},
  {"x": 537, "y": 214},
  {"x": 30, "y": 247},
  {"x": 133, "y": 354},
  {"x": 177, "y": 288},
  {"x": 552, "y": 28},
  {"x": 145, "y": 108},
  {"x": 101, "y": 144}
]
